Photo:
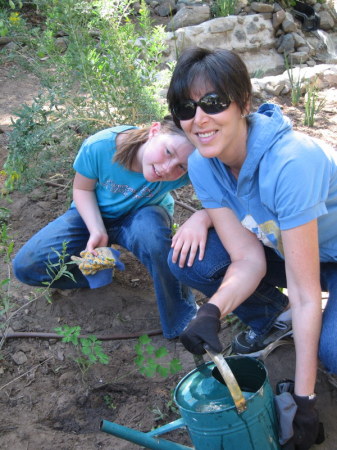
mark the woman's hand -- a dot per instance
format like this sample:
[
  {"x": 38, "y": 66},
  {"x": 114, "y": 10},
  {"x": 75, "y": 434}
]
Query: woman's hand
[{"x": 190, "y": 237}]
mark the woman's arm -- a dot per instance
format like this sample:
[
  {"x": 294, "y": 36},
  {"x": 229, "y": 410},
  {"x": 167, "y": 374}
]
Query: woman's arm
[
  {"x": 86, "y": 204},
  {"x": 301, "y": 252},
  {"x": 190, "y": 237},
  {"x": 243, "y": 275},
  {"x": 248, "y": 264}
]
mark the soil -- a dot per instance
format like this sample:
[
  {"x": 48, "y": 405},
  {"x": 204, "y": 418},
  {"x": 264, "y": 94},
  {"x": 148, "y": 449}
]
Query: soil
[{"x": 46, "y": 401}]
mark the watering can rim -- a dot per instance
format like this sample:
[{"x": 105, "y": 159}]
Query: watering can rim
[{"x": 211, "y": 363}]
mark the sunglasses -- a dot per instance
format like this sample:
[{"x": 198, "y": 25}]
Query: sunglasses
[{"x": 209, "y": 103}]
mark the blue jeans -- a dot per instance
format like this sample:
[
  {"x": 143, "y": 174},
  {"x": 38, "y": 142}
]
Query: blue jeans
[
  {"x": 146, "y": 233},
  {"x": 261, "y": 309}
]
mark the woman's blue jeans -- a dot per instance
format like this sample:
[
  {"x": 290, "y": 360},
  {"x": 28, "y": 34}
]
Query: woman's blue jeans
[
  {"x": 146, "y": 233},
  {"x": 261, "y": 309}
]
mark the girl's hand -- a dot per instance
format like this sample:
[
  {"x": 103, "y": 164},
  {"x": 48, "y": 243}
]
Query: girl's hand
[
  {"x": 191, "y": 237},
  {"x": 97, "y": 239}
]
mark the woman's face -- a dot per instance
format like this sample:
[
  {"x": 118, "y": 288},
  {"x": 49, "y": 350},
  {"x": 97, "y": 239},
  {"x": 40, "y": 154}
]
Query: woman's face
[
  {"x": 164, "y": 156},
  {"x": 222, "y": 135}
]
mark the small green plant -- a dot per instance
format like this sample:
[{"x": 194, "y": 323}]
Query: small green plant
[
  {"x": 6, "y": 250},
  {"x": 223, "y": 8},
  {"x": 175, "y": 228},
  {"x": 171, "y": 406},
  {"x": 13, "y": 4},
  {"x": 148, "y": 358},
  {"x": 7, "y": 308},
  {"x": 158, "y": 414},
  {"x": 312, "y": 105},
  {"x": 295, "y": 84},
  {"x": 108, "y": 400},
  {"x": 89, "y": 348},
  {"x": 60, "y": 267}
]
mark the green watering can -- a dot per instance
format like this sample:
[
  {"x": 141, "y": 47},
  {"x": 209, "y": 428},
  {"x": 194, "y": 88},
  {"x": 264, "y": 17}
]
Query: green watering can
[{"x": 225, "y": 404}]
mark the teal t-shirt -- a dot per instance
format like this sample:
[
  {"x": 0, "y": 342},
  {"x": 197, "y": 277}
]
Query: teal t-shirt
[{"x": 119, "y": 190}]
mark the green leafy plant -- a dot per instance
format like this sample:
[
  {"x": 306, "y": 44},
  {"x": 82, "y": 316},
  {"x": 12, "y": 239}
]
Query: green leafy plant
[
  {"x": 223, "y": 8},
  {"x": 8, "y": 308},
  {"x": 108, "y": 400},
  {"x": 89, "y": 348},
  {"x": 88, "y": 85},
  {"x": 60, "y": 267},
  {"x": 6, "y": 250},
  {"x": 312, "y": 105},
  {"x": 295, "y": 84},
  {"x": 12, "y": 4},
  {"x": 148, "y": 358}
]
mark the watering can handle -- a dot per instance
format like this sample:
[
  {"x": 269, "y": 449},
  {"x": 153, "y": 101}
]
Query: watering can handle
[{"x": 229, "y": 379}]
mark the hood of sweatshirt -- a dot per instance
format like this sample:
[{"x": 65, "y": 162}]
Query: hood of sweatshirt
[{"x": 266, "y": 127}]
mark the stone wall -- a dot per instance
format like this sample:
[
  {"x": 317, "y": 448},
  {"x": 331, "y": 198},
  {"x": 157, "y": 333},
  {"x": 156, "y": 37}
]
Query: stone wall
[{"x": 261, "y": 33}]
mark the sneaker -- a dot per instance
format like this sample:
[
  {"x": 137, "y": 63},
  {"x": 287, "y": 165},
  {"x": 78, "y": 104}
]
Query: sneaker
[{"x": 250, "y": 344}]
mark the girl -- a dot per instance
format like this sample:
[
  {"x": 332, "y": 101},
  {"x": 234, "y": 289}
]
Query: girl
[
  {"x": 121, "y": 195},
  {"x": 271, "y": 194}
]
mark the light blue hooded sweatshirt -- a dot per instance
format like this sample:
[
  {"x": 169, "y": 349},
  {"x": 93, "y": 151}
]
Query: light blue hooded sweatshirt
[{"x": 287, "y": 180}]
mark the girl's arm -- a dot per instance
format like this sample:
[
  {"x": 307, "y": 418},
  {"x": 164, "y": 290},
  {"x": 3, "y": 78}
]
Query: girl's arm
[
  {"x": 301, "y": 252},
  {"x": 86, "y": 204},
  {"x": 248, "y": 263},
  {"x": 191, "y": 236}
]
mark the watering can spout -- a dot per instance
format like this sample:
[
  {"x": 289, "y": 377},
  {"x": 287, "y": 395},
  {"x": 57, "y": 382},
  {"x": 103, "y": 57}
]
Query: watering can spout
[{"x": 148, "y": 440}]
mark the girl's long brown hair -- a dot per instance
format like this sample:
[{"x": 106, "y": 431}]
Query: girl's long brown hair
[{"x": 134, "y": 138}]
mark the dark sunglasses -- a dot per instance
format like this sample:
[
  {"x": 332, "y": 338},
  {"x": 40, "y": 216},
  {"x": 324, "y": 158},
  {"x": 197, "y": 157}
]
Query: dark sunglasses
[{"x": 209, "y": 103}]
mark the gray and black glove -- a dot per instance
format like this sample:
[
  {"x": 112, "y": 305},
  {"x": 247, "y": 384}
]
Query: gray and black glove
[
  {"x": 298, "y": 418},
  {"x": 203, "y": 329}
]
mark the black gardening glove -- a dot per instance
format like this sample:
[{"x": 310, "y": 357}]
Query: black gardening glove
[
  {"x": 307, "y": 430},
  {"x": 203, "y": 329},
  {"x": 306, "y": 423}
]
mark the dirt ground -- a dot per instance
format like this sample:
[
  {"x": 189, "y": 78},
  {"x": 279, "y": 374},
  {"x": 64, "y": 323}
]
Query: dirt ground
[{"x": 45, "y": 402}]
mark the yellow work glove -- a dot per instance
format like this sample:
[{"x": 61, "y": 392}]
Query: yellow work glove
[{"x": 89, "y": 264}]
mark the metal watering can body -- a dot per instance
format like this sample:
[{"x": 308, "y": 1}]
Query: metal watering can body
[{"x": 209, "y": 414}]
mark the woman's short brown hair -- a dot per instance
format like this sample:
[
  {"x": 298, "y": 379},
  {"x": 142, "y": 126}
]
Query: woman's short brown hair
[{"x": 222, "y": 69}]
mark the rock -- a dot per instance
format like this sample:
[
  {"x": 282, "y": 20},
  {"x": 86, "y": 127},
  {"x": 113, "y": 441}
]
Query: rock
[
  {"x": 327, "y": 22},
  {"x": 286, "y": 44},
  {"x": 289, "y": 24},
  {"x": 19, "y": 358},
  {"x": 299, "y": 40},
  {"x": 278, "y": 18},
  {"x": 61, "y": 44},
  {"x": 4, "y": 40},
  {"x": 261, "y": 7},
  {"x": 189, "y": 16},
  {"x": 166, "y": 8},
  {"x": 299, "y": 57}
]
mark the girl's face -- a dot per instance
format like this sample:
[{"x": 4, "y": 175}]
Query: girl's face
[
  {"x": 164, "y": 156},
  {"x": 222, "y": 135}
]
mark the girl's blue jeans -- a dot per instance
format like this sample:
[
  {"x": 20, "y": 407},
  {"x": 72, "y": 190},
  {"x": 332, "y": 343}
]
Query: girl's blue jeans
[
  {"x": 146, "y": 233},
  {"x": 261, "y": 309}
]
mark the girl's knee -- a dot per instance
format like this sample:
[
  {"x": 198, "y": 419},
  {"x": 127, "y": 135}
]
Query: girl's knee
[
  {"x": 28, "y": 268},
  {"x": 22, "y": 269}
]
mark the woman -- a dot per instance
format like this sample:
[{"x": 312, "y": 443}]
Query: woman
[
  {"x": 121, "y": 194},
  {"x": 271, "y": 195}
]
